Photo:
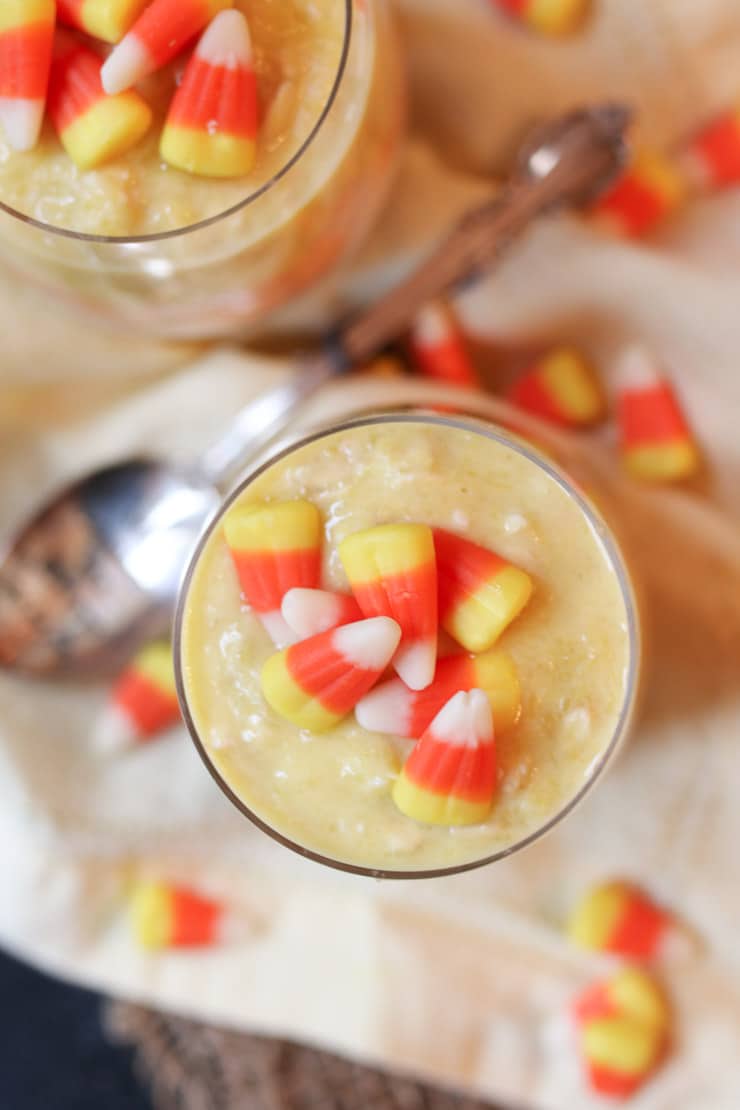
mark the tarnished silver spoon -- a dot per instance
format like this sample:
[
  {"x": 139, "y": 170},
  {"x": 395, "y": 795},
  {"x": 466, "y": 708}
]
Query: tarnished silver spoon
[{"x": 96, "y": 571}]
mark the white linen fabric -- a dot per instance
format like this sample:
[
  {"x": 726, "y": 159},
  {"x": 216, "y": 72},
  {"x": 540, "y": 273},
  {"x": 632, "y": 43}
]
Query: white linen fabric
[{"x": 464, "y": 981}]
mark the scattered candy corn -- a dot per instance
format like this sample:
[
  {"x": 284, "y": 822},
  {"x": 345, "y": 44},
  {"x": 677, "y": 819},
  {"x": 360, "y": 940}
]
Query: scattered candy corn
[
  {"x": 212, "y": 122},
  {"x": 450, "y": 776},
  {"x": 649, "y": 191},
  {"x": 317, "y": 682},
  {"x": 549, "y": 17},
  {"x": 275, "y": 546},
  {"x": 561, "y": 388},
  {"x": 618, "y": 917},
  {"x": 394, "y": 709},
  {"x": 93, "y": 127},
  {"x": 438, "y": 348},
  {"x": 480, "y": 594},
  {"x": 711, "y": 159},
  {"x": 392, "y": 572},
  {"x": 143, "y": 701},
  {"x": 167, "y": 916},
  {"x": 656, "y": 441},
  {"x": 308, "y": 612},
  {"x": 103, "y": 19},
  {"x": 624, "y": 1025},
  {"x": 26, "y": 36},
  {"x": 157, "y": 36}
]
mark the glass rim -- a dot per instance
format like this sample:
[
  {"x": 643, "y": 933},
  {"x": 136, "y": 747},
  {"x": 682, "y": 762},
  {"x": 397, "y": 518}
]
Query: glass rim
[
  {"x": 602, "y": 532},
  {"x": 209, "y": 221}
]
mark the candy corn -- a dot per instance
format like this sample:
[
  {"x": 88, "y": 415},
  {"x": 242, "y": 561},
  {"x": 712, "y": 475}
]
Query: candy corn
[
  {"x": 143, "y": 701},
  {"x": 93, "y": 127},
  {"x": 162, "y": 30},
  {"x": 549, "y": 17},
  {"x": 618, "y": 917},
  {"x": 649, "y": 191},
  {"x": 438, "y": 349},
  {"x": 167, "y": 916},
  {"x": 655, "y": 439},
  {"x": 711, "y": 159},
  {"x": 480, "y": 594},
  {"x": 317, "y": 682},
  {"x": 308, "y": 612},
  {"x": 212, "y": 122},
  {"x": 26, "y": 36},
  {"x": 274, "y": 546},
  {"x": 624, "y": 1026},
  {"x": 392, "y": 572},
  {"x": 450, "y": 776},
  {"x": 561, "y": 388},
  {"x": 103, "y": 19},
  {"x": 394, "y": 709}
]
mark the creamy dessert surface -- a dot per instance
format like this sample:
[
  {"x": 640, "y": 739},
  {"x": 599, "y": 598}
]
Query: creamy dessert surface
[
  {"x": 297, "y": 49},
  {"x": 331, "y": 793}
]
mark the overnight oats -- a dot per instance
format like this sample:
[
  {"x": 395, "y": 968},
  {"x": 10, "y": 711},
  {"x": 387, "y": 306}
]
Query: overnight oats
[
  {"x": 407, "y": 646},
  {"x": 185, "y": 166}
]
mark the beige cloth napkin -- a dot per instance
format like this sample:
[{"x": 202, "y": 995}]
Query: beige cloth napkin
[{"x": 464, "y": 981}]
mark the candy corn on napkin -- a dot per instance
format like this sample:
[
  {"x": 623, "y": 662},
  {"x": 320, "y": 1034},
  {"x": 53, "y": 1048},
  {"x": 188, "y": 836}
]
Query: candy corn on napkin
[{"x": 463, "y": 981}]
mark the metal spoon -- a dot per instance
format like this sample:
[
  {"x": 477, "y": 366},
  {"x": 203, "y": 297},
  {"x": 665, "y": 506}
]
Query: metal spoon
[{"x": 97, "y": 570}]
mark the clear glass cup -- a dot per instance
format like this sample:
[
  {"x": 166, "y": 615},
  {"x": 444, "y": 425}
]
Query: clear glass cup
[
  {"x": 471, "y": 421},
  {"x": 224, "y": 275}
]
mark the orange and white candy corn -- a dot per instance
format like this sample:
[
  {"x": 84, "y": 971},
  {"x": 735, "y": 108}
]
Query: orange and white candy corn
[
  {"x": 650, "y": 190},
  {"x": 317, "y": 682},
  {"x": 549, "y": 17},
  {"x": 308, "y": 612},
  {"x": 162, "y": 30},
  {"x": 211, "y": 126},
  {"x": 26, "y": 36},
  {"x": 619, "y": 918},
  {"x": 93, "y": 127},
  {"x": 164, "y": 915},
  {"x": 480, "y": 593},
  {"x": 450, "y": 776},
  {"x": 394, "y": 709},
  {"x": 711, "y": 158},
  {"x": 656, "y": 442},
  {"x": 560, "y": 388},
  {"x": 103, "y": 19},
  {"x": 274, "y": 546},
  {"x": 438, "y": 349},
  {"x": 392, "y": 572},
  {"x": 143, "y": 702},
  {"x": 624, "y": 1028}
]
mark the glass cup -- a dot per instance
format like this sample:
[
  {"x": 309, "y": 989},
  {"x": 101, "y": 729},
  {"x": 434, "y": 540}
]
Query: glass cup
[
  {"x": 614, "y": 559},
  {"x": 223, "y": 275}
]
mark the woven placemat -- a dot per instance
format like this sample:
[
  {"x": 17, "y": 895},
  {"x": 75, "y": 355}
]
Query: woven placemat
[{"x": 188, "y": 1066}]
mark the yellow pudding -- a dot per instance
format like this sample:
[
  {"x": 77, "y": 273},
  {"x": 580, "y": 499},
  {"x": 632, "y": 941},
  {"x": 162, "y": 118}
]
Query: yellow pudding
[
  {"x": 573, "y": 646},
  {"x": 330, "y": 108}
]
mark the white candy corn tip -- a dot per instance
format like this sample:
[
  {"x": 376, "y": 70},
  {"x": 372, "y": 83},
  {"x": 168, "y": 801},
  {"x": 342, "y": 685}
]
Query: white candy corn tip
[
  {"x": 466, "y": 720},
  {"x": 21, "y": 122},
  {"x": 126, "y": 64},
  {"x": 386, "y": 709},
  {"x": 278, "y": 629},
  {"x": 431, "y": 325},
  {"x": 368, "y": 644},
  {"x": 678, "y": 944},
  {"x": 226, "y": 41},
  {"x": 416, "y": 663},
  {"x": 635, "y": 370},
  {"x": 114, "y": 732},
  {"x": 309, "y": 612}
]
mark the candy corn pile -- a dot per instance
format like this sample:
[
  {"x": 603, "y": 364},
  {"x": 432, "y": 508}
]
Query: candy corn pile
[
  {"x": 90, "y": 99},
  {"x": 408, "y": 582}
]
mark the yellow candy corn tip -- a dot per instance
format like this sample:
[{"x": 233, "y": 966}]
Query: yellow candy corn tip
[
  {"x": 151, "y": 915},
  {"x": 386, "y": 550},
  {"x": 664, "y": 462},
  {"x": 109, "y": 20},
  {"x": 156, "y": 663},
  {"x": 477, "y": 622},
  {"x": 436, "y": 809},
  {"x": 572, "y": 382},
  {"x": 636, "y": 995},
  {"x": 276, "y": 526},
  {"x": 497, "y": 676},
  {"x": 557, "y": 17},
  {"x": 622, "y": 1045},
  {"x": 287, "y": 698},
  {"x": 198, "y": 152},
  {"x": 21, "y": 15},
  {"x": 655, "y": 171},
  {"x": 107, "y": 130},
  {"x": 595, "y": 917}
]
